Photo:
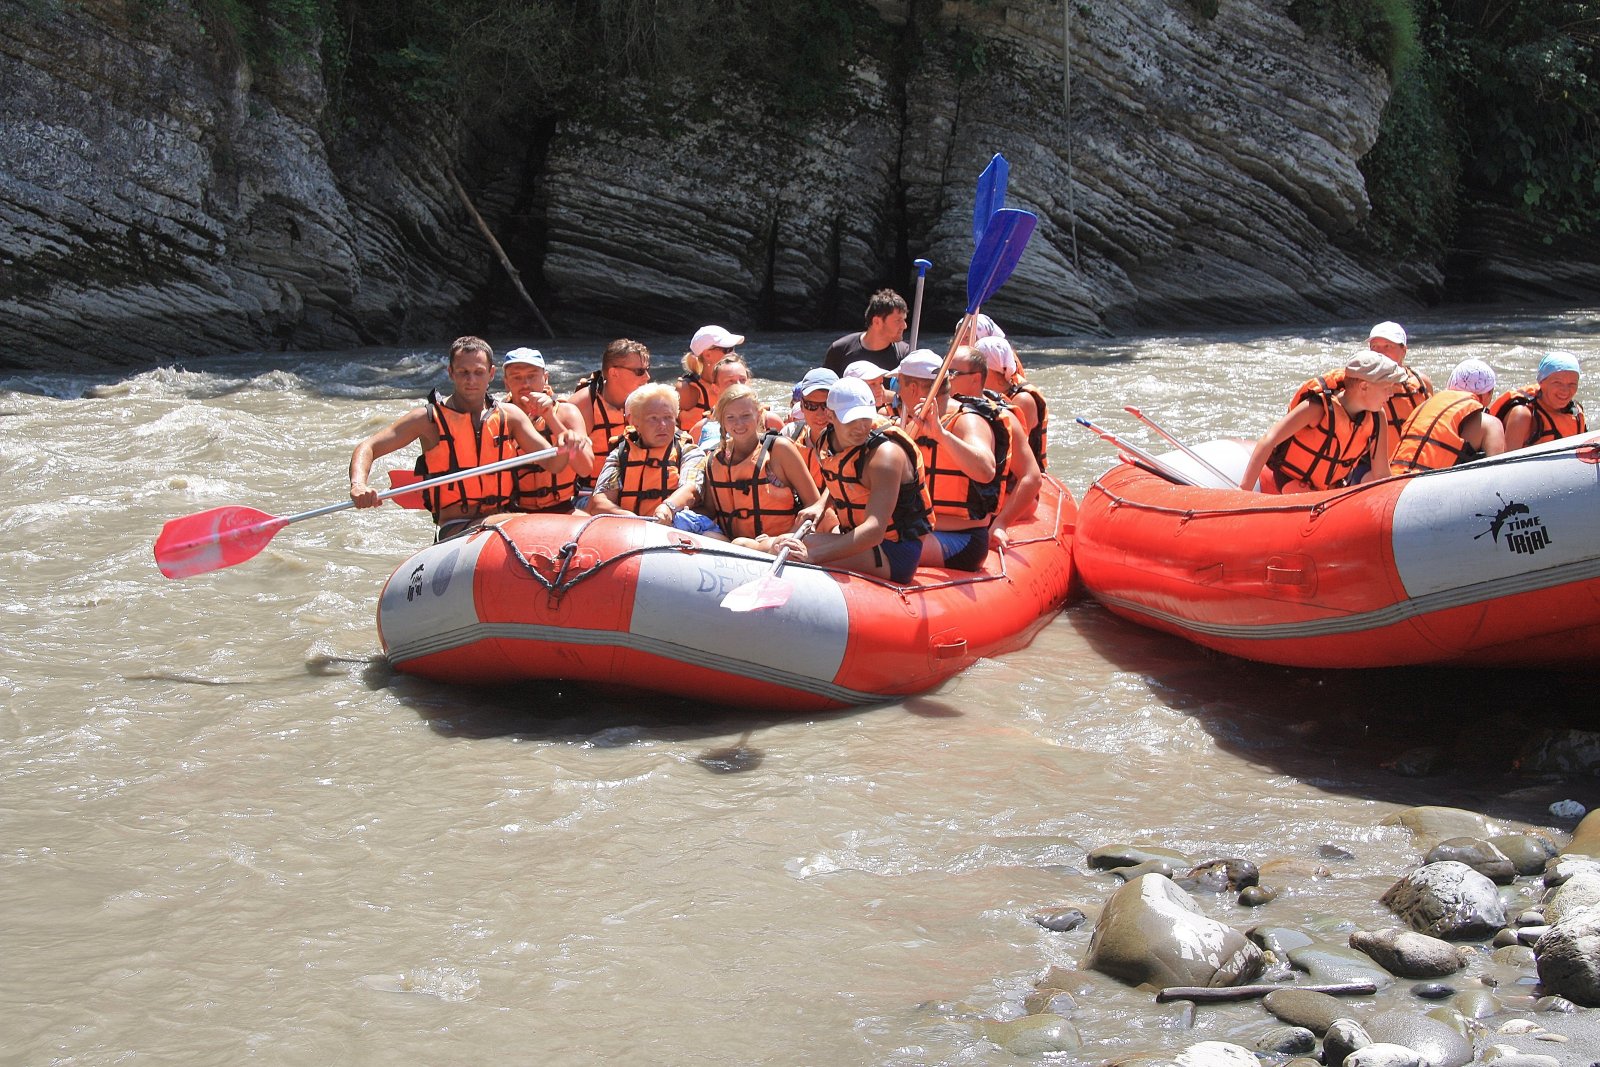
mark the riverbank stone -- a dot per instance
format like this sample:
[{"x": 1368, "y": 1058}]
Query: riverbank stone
[
  {"x": 1580, "y": 891},
  {"x": 1034, "y": 1035},
  {"x": 1586, "y": 837},
  {"x": 1059, "y": 919},
  {"x": 1433, "y": 823},
  {"x": 1448, "y": 900},
  {"x": 1254, "y": 896},
  {"x": 1433, "y": 990},
  {"x": 1527, "y": 853},
  {"x": 1217, "y": 1054},
  {"x": 1228, "y": 874},
  {"x": 1287, "y": 1041},
  {"x": 1478, "y": 854},
  {"x": 1439, "y": 1044},
  {"x": 1279, "y": 940},
  {"x": 1568, "y": 958},
  {"x": 1383, "y": 1054},
  {"x": 1305, "y": 1007},
  {"x": 1344, "y": 1036},
  {"x": 1328, "y": 964},
  {"x": 1109, "y": 857},
  {"x": 1564, "y": 868},
  {"x": 1151, "y": 932},
  {"x": 1408, "y": 954}
]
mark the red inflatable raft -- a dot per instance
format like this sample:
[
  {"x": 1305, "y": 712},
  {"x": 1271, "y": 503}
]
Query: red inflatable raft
[
  {"x": 623, "y": 601},
  {"x": 1492, "y": 563}
]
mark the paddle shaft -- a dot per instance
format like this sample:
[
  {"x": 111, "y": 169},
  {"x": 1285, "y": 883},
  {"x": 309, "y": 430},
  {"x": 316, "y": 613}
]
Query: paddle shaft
[
  {"x": 1224, "y": 481},
  {"x": 1138, "y": 453},
  {"x": 783, "y": 553},
  {"x": 429, "y": 483},
  {"x": 916, "y": 304}
]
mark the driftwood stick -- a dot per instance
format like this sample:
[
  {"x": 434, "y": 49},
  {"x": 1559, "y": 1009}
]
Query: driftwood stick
[
  {"x": 1222, "y": 994},
  {"x": 500, "y": 253}
]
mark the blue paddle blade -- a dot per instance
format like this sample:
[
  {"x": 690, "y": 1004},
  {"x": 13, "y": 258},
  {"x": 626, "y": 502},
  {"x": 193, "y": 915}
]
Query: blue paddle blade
[
  {"x": 998, "y": 251},
  {"x": 991, "y": 195}
]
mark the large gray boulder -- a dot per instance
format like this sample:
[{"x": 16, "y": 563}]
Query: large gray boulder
[
  {"x": 1448, "y": 900},
  {"x": 1151, "y": 933},
  {"x": 1408, "y": 954},
  {"x": 1568, "y": 957}
]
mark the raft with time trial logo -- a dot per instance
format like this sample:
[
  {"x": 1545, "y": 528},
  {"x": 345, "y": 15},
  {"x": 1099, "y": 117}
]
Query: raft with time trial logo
[
  {"x": 622, "y": 601},
  {"x": 1492, "y": 563}
]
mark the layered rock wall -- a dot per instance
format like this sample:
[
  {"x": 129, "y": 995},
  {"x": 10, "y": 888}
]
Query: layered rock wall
[{"x": 160, "y": 199}]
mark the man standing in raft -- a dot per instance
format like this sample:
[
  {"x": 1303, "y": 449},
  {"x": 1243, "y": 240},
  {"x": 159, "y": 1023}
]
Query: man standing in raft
[
  {"x": 874, "y": 480},
  {"x": 879, "y": 342},
  {"x": 463, "y": 430},
  {"x": 1452, "y": 426},
  {"x": 1547, "y": 411},
  {"x": 1328, "y": 431},
  {"x": 534, "y": 488}
]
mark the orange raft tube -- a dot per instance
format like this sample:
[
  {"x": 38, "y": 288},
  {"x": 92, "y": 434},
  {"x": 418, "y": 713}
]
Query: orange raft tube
[
  {"x": 620, "y": 600},
  {"x": 1494, "y": 563}
]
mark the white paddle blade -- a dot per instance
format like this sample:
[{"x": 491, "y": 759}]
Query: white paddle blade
[{"x": 768, "y": 592}]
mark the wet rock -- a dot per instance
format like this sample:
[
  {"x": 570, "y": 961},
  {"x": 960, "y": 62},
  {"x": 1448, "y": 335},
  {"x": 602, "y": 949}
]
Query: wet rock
[
  {"x": 1109, "y": 857},
  {"x": 1478, "y": 854},
  {"x": 1255, "y": 896},
  {"x": 1382, "y": 1054},
  {"x": 1228, "y": 874},
  {"x": 1510, "y": 1057},
  {"x": 1580, "y": 891},
  {"x": 1432, "y": 823},
  {"x": 1288, "y": 868},
  {"x": 1528, "y": 935},
  {"x": 1564, "y": 868},
  {"x": 1151, "y": 932},
  {"x": 1504, "y": 937},
  {"x": 1527, "y": 853},
  {"x": 1071, "y": 980},
  {"x": 1532, "y": 917},
  {"x": 1477, "y": 1003},
  {"x": 1513, "y": 956},
  {"x": 1408, "y": 954},
  {"x": 1279, "y": 939},
  {"x": 1335, "y": 963},
  {"x": 1304, "y": 1007},
  {"x": 1335, "y": 852},
  {"x": 1344, "y": 1036},
  {"x": 1432, "y": 990},
  {"x": 1050, "y": 1002},
  {"x": 1034, "y": 1035},
  {"x": 1586, "y": 837},
  {"x": 1059, "y": 919},
  {"x": 1439, "y": 1045},
  {"x": 1217, "y": 1054},
  {"x": 1569, "y": 958},
  {"x": 1287, "y": 1041},
  {"x": 1448, "y": 900},
  {"x": 1139, "y": 870},
  {"x": 1559, "y": 1005},
  {"x": 1561, "y": 752}
]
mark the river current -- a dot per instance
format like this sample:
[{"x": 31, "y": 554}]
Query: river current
[{"x": 229, "y": 833}]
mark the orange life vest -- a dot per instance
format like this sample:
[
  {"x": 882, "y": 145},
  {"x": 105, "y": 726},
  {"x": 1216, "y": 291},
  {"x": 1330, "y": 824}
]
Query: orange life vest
[
  {"x": 844, "y": 475},
  {"x": 1323, "y": 454},
  {"x": 1405, "y": 399},
  {"x": 1039, "y": 436},
  {"x": 800, "y": 434},
  {"x": 744, "y": 498},
  {"x": 535, "y": 489},
  {"x": 1547, "y": 425},
  {"x": 608, "y": 424},
  {"x": 690, "y": 413},
  {"x": 647, "y": 476},
  {"x": 1431, "y": 439},
  {"x": 460, "y": 449},
  {"x": 950, "y": 491}
]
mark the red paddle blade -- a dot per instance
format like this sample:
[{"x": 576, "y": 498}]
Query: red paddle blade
[
  {"x": 399, "y": 479},
  {"x": 768, "y": 592},
  {"x": 211, "y": 540}
]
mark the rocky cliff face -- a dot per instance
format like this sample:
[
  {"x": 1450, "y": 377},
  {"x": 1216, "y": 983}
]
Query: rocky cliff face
[{"x": 157, "y": 202}]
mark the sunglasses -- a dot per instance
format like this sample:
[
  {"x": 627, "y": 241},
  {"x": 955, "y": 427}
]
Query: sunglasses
[
  {"x": 637, "y": 372},
  {"x": 814, "y": 405}
]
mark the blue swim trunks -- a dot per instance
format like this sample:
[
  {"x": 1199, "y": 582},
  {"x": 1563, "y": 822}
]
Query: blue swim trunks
[{"x": 964, "y": 550}]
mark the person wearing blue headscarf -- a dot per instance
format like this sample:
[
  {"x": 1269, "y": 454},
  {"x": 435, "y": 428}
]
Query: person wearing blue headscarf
[{"x": 1546, "y": 411}]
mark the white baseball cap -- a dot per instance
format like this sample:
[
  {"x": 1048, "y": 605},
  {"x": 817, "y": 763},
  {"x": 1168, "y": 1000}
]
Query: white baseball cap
[
  {"x": 531, "y": 357},
  {"x": 850, "y": 400},
  {"x": 997, "y": 353},
  {"x": 983, "y": 326},
  {"x": 864, "y": 369},
  {"x": 1388, "y": 331},
  {"x": 924, "y": 363},
  {"x": 714, "y": 337}
]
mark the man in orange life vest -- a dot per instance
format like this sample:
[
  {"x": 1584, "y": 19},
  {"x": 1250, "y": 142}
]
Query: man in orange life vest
[
  {"x": 1452, "y": 426},
  {"x": 463, "y": 430},
  {"x": 528, "y": 387},
  {"x": 599, "y": 398}
]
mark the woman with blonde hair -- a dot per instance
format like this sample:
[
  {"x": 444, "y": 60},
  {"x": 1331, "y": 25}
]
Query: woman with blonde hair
[
  {"x": 755, "y": 479},
  {"x": 709, "y": 347}
]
